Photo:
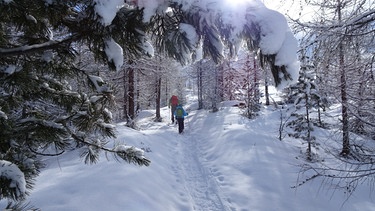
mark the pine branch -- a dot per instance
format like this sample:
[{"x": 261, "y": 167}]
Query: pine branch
[
  {"x": 27, "y": 49},
  {"x": 128, "y": 154},
  {"x": 44, "y": 154}
]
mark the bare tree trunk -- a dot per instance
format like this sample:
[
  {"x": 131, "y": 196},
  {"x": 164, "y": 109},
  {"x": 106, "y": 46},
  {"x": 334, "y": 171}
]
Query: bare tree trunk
[
  {"x": 131, "y": 93},
  {"x": 256, "y": 87},
  {"x": 216, "y": 92},
  {"x": 221, "y": 80},
  {"x": 125, "y": 103},
  {"x": 267, "y": 95},
  {"x": 166, "y": 91},
  {"x": 249, "y": 87},
  {"x": 138, "y": 107},
  {"x": 200, "y": 85},
  {"x": 320, "y": 115},
  {"x": 158, "y": 94},
  {"x": 344, "y": 99},
  {"x": 308, "y": 136}
]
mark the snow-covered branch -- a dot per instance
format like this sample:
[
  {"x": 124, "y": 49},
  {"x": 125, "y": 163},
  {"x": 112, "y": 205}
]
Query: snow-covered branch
[
  {"x": 51, "y": 44},
  {"x": 356, "y": 22},
  {"x": 129, "y": 154},
  {"x": 10, "y": 173}
]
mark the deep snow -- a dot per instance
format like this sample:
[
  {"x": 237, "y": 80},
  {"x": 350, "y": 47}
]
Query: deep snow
[{"x": 223, "y": 161}]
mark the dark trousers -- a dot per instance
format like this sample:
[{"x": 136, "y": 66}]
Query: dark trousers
[
  {"x": 180, "y": 124},
  {"x": 173, "y": 109}
]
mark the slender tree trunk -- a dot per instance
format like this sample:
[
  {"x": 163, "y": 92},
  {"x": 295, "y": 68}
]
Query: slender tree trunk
[
  {"x": 221, "y": 81},
  {"x": 360, "y": 127},
  {"x": 166, "y": 91},
  {"x": 216, "y": 93},
  {"x": 344, "y": 112},
  {"x": 309, "y": 156},
  {"x": 256, "y": 87},
  {"x": 138, "y": 107},
  {"x": 249, "y": 89},
  {"x": 320, "y": 115},
  {"x": 267, "y": 95},
  {"x": 344, "y": 100},
  {"x": 125, "y": 103},
  {"x": 131, "y": 94},
  {"x": 200, "y": 85},
  {"x": 158, "y": 94}
]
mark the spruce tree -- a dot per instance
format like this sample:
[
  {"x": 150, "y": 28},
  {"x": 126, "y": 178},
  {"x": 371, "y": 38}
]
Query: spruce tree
[{"x": 306, "y": 99}]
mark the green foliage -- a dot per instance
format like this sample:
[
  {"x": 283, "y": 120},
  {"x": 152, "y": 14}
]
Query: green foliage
[
  {"x": 47, "y": 104},
  {"x": 8, "y": 192}
]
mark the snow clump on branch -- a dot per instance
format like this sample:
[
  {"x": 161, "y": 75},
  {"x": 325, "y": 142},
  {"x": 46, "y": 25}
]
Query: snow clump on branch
[
  {"x": 107, "y": 10},
  {"x": 11, "y": 172},
  {"x": 114, "y": 53}
]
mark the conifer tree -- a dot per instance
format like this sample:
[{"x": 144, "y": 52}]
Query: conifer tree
[
  {"x": 306, "y": 98},
  {"x": 48, "y": 104}
]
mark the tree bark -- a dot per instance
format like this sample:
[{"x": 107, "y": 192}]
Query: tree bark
[
  {"x": 200, "y": 85},
  {"x": 158, "y": 95},
  {"x": 344, "y": 99},
  {"x": 125, "y": 99},
  {"x": 131, "y": 94}
]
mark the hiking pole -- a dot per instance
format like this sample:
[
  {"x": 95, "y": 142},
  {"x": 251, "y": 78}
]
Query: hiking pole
[{"x": 187, "y": 121}]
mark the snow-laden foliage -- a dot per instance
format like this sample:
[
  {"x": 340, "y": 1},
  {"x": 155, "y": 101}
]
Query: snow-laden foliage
[
  {"x": 307, "y": 99},
  {"x": 107, "y": 9},
  {"x": 49, "y": 102},
  {"x": 219, "y": 24},
  {"x": 131, "y": 154},
  {"x": 12, "y": 176}
]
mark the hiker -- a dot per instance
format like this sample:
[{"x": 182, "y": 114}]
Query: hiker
[
  {"x": 173, "y": 102},
  {"x": 180, "y": 115}
]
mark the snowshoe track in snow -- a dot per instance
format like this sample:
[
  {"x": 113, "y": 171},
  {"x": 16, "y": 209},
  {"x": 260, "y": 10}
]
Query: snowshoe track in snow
[{"x": 201, "y": 186}]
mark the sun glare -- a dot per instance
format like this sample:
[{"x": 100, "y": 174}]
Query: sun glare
[
  {"x": 271, "y": 4},
  {"x": 291, "y": 8}
]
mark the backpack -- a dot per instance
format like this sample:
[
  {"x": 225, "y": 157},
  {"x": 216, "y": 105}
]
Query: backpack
[
  {"x": 179, "y": 112},
  {"x": 174, "y": 100}
]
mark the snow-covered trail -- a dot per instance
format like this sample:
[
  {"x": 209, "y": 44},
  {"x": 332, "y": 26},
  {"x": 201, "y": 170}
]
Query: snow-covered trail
[
  {"x": 203, "y": 183},
  {"x": 195, "y": 183},
  {"x": 200, "y": 183}
]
